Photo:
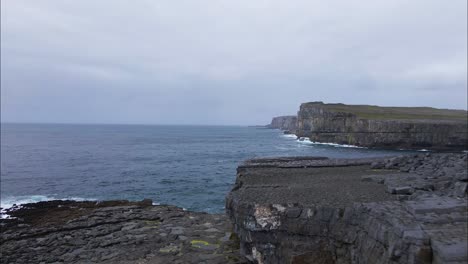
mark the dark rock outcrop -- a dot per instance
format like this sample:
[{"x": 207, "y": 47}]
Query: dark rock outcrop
[
  {"x": 287, "y": 123},
  {"x": 384, "y": 127},
  {"x": 115, "y": 232},
  {"x": 410, "y": 209}
]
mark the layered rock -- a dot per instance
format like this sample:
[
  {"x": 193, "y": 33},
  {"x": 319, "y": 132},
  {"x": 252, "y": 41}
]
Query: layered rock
[
  {"x": 287, "y": 123},
  {"x": 384, "y": 127},
  {"x": 115, "y": 232},
  {"x": 316, "y": 210}
]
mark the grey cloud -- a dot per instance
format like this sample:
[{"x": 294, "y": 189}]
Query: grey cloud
[{"x": 225, "y": 62}]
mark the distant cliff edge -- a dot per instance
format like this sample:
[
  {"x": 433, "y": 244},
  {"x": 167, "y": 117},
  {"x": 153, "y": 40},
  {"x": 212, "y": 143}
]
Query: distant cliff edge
[
  {"x": 284, "y": 123},
  {"x": 379, "y": 127}
]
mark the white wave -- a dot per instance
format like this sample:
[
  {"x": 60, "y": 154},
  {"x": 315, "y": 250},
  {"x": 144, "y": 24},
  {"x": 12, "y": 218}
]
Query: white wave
[
  {"x": 282, "y": 148},
  {"x": 290, "y": 136},
  {"x": 348, "y": 146},
  {"x": 9, "y": 202},
  {"x": 423, "y": 150},
  {"x": 307, "y": 141},
  {"x": 304, "y": 140}
]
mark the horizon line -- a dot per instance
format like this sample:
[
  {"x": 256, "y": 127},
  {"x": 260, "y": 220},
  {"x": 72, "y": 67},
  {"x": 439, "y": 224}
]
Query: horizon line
[{"x": 124, "y": 124}]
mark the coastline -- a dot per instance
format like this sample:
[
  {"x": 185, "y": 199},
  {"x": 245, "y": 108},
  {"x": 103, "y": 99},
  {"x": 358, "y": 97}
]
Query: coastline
[
  {"x": 280, "y": 210},
  {"x": 378, "y": 127},
  {"x": 270, "y": 216},
  {"x": 159, "y": 180}
]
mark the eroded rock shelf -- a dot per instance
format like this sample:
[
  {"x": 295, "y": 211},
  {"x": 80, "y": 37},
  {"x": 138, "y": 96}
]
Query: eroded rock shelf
[{"x": 115, "y": 232}]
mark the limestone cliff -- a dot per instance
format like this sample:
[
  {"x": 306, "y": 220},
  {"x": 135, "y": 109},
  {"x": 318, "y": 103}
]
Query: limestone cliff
[
  {"x": 284, "y": 123},
  {"x": 409, "y": 209},
  {"x": 384, "y": 127}
]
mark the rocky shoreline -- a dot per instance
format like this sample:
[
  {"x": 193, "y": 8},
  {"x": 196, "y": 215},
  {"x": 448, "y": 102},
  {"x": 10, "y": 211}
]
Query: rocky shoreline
[
  {"x": 115, "y": 232},
  {"x": 408, "y": 209}
]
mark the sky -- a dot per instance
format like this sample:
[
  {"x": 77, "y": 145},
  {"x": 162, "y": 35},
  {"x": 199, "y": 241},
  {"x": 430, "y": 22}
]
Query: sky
[{"x": 225, "y": 62}]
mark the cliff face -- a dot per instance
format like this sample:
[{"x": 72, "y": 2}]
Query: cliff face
[
  {"x": 384, "y": 127},
  {"x": 410, "y": 209},
  {"x": 284, "y": 123}
]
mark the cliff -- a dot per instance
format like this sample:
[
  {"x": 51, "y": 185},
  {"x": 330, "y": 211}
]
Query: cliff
[
  {"x": 410, "y": 209},
  {"x": 384, "y": 127},
  {"x": 284, "y": 123}
]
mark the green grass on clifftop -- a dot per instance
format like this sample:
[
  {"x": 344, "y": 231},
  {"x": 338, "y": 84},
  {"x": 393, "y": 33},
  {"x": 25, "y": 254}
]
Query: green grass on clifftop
[{"x": 410, "y": 113}]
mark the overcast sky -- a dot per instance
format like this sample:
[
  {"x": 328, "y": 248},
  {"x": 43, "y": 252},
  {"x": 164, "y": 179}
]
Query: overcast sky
[{"x": 225, "y": 62}]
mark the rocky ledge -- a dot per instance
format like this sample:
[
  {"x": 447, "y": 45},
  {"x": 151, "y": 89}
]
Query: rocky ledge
[
  {"x": 410, "y": 209},
  {"x": 115, "y": 232}
]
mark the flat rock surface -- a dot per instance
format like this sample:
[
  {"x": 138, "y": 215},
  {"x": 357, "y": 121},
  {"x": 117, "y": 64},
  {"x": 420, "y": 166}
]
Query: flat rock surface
[
  {"x": 313, "y": 181},
  {"x": 115, "y": 232}
]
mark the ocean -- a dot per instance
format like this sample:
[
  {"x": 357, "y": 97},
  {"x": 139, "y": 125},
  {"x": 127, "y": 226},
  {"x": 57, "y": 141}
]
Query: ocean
[{"x": 188, "y": 166}]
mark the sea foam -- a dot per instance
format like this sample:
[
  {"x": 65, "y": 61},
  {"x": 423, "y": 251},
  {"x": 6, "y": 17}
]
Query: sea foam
[
  {"x": 307, "y": 141},
  {"x": 10, "y": 201}
]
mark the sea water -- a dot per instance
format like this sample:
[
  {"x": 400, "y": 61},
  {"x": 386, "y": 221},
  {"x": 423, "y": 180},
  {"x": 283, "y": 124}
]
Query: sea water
[{"x": 193, "y": 167}]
